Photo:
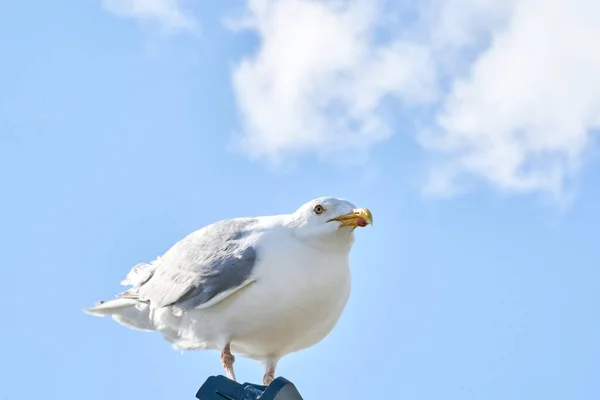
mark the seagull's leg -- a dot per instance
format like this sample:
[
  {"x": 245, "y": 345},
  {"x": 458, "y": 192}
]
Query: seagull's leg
[
  {"x": 269, "y": 372},
  {"x": 227, "y": 360}
]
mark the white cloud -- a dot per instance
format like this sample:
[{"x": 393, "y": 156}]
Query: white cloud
[
  {"x": 513, "y": 85},
  {"x": 523, "y": 115},
  {"x": 168, "y": 14},
  {"x": 319, "y": 78}
]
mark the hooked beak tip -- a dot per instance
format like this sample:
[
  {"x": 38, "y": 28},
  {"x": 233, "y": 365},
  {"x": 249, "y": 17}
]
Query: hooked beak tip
[{"x": 359, "y": 217}]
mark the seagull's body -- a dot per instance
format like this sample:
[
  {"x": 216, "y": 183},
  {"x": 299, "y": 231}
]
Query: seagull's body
[{"x": 261, "y": 287}]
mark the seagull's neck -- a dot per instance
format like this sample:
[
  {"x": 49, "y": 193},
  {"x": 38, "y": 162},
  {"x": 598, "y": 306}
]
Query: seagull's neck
[{"x": 339, "y": 241}]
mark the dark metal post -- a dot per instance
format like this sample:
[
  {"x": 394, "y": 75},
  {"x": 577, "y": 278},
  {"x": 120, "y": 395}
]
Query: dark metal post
[{"x": 222, "y": 388}]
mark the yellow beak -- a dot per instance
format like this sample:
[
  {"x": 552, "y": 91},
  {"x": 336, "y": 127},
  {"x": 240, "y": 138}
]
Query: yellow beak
[{"x": 358, "y": 217}]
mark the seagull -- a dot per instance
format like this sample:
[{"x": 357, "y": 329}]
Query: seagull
[{"x": 260, "y": 287}]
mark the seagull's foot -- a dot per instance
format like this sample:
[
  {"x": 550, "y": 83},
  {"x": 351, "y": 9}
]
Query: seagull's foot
[
  {"x": 269, "y": 376},
  {"x": 227, "y": 359}
]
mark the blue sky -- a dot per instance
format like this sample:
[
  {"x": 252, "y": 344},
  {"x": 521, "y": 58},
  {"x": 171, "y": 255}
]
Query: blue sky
[{"x": 126, "y": 125}]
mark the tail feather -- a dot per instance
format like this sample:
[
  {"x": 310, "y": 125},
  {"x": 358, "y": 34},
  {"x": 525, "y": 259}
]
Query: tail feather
[
  {"x": 140, "y": 273},
  {"x": 128, "y": 312},
  {"x": 127, "y": 308},
  {"x": 103, "y": 308}
]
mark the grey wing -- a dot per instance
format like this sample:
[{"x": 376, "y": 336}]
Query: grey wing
[{"x": 203, "y": 268}]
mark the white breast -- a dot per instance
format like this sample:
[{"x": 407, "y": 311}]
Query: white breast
[{"x": 293, "y": 304}]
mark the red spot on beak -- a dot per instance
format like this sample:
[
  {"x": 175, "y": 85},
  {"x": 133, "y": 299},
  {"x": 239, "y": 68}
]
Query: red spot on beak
[{"x": 361, "y": 222}]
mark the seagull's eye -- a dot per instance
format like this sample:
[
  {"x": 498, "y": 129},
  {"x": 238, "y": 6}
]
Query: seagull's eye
[{"x": 319, "y": 209}]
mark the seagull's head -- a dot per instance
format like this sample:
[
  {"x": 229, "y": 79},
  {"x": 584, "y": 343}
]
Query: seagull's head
[{"x": 330, "y": 220}]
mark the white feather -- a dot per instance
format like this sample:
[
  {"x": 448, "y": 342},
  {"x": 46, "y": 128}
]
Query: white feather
[{"x": 299, "y": 288}]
